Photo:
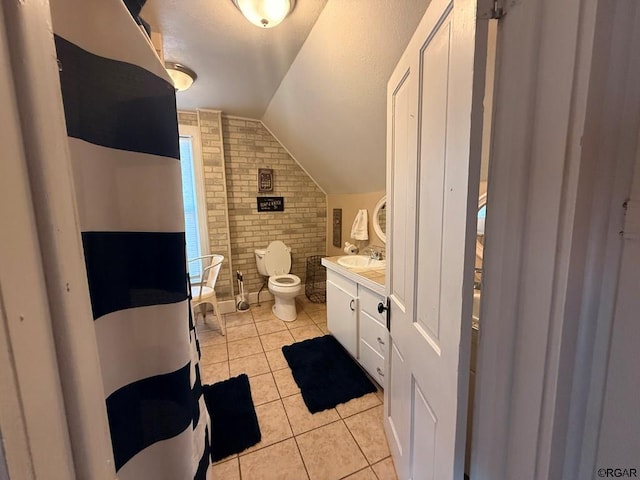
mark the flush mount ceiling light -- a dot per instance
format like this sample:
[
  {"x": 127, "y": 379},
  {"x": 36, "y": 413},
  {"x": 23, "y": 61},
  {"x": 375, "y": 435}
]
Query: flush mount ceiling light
[
  {"x": 265, "y": 13},
  {"x": 183, "y": 77}
]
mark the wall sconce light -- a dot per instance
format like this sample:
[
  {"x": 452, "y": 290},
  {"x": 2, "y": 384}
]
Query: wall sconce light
[
  {"x": 183, "y": 77},
  {"x": 265, "y": 13}
]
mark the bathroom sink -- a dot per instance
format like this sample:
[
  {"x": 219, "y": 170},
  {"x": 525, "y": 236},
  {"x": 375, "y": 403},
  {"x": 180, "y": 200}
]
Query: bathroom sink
[{"x": 360, "y": 261}]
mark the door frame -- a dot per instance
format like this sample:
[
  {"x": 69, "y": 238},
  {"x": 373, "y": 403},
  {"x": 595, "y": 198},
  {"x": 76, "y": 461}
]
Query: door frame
[
  {"x": 55, "y": 242},
  {"x": 537, "y": 369},
  {"x": 526, "y": 117},
  {"x": 34, "y": 440}
]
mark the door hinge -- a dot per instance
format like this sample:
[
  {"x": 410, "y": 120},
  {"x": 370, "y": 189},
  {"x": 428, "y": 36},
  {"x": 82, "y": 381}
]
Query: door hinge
[
  {"x": 631, "y": 223},
  {"x": 496, "y": 12}
]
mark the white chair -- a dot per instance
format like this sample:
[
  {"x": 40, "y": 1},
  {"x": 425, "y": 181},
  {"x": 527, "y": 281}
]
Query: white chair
[{"x": 204, "y": 291}]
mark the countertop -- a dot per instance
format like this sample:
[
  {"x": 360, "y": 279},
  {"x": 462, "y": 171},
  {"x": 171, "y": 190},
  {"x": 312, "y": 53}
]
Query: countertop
[{"x": 371, "y": 278}]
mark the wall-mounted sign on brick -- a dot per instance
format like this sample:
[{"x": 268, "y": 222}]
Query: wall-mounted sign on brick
[
  {"x": 270, "y": 204},
  {"x": 265, "y": 180}
]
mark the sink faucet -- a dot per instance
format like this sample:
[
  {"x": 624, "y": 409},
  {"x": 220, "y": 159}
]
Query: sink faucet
[
  {"x": 477, "y": 279},
  {"x": 374, "y": 253}
]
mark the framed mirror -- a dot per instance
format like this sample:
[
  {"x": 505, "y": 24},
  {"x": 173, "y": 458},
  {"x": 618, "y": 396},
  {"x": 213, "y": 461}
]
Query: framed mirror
[{"x": 380, "y": 219}]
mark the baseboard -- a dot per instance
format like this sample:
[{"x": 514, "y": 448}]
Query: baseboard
[
  {"x": 227, "y": 306},
  {"x": 230, "y": 306}
]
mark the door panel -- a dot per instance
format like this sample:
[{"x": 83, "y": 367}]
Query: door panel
[
  {"x": 401, "y": 140},
  {"x": 401, "y": 219},
  {"x": 397, "y": 409},
  {"x": 433, "y": 151},
  {"x": 424, "y": 436},
  {"x": 434, "y": 72}
]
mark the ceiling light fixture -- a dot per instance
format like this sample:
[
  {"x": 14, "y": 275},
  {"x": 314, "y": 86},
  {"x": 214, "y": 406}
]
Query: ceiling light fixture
[
  {"x": 183, "y": 77},
  {"x": 265, "y": 13}
]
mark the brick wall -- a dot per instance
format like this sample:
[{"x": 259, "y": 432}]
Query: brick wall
[
  {"x": 216, "y": 196},
  {"x": 188, "y": 118},
  {"x": 231, "y": 191},
  {"x": 248, "y": 145}
]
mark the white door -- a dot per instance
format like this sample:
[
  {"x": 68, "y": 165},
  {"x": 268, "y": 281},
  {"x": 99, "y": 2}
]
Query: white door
[{"x": 434, "y": 106}]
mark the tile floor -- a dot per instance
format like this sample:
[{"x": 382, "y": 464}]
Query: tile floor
[{"x": 346, "y": 442}]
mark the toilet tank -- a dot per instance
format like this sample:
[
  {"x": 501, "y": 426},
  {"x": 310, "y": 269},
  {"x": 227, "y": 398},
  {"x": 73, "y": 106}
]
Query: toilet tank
[{"x": 260, "y": 253}]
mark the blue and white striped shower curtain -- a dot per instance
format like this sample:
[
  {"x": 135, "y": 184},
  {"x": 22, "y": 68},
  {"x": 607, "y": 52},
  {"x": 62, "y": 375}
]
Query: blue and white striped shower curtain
[{"x": 123, "y": 140}]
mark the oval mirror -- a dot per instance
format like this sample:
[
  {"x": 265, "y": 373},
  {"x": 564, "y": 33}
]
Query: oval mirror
[{"x": 380, "y": 219}]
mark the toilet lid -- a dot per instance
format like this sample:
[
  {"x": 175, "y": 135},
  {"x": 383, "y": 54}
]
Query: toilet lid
[{"x": 277, "y": 260}]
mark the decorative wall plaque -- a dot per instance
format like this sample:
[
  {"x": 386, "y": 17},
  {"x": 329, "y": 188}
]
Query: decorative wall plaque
[
  {"x": 265, "y": 180},
  {"x": 270, "y": 204},
  {"x": 337, "y": 227}
]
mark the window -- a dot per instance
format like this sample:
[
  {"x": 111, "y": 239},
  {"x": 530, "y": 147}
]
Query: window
[{"x": 195, "y": 218}]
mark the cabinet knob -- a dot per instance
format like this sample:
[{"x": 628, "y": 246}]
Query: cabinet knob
[
  {"x": 380, "y": 341},
  {"x": 351, "y": 303},
  {"x": 380, "y": 372},
  {"x": 382, "y": 307}
]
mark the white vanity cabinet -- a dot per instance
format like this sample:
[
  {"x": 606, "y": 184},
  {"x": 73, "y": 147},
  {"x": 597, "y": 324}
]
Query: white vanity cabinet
[
  {"x": 373, "y": 333},
  {"x": 342, "y": 310},
  {"x": 353, "y": 318}
]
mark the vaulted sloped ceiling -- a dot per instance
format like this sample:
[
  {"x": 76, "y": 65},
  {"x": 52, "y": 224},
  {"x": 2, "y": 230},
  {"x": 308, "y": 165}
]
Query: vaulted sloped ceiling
[
  {"x": 330, "y": 109},
  {"x": 317, "y": 81}
]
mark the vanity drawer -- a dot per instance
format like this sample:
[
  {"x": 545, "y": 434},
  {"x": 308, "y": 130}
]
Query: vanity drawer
[
  {"x": 369, "y": 303},
  {"x": 374, "y": 334},
  {"x": 372, "y": 362}
]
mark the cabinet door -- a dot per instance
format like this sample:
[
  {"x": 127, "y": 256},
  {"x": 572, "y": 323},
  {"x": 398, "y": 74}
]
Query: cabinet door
[
  {"x": 373, "y": 333},
  {"x": 342, "y": 316},
  {"x": 369, "y": 301},
  {"x": 372, "y": 362}
]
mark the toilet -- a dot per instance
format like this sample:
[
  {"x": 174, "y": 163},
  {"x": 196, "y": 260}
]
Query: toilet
[{"x": 275, "y": 262}]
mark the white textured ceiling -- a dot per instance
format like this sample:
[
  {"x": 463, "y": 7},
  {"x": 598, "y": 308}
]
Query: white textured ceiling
[
  {"x": 324, "y": 98},
  {"x": 239, "y": 65}
]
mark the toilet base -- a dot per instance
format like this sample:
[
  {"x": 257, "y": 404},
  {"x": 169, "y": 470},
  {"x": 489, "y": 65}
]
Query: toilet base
[{"x": 285, "y": 309}]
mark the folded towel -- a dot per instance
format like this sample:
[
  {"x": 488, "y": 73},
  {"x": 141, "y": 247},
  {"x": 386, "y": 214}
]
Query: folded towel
[{"x": 360, "y": 230}]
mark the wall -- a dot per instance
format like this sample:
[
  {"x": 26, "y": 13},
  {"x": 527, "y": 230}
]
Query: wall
[
  {"x": 215, "y": 191},
  {"x": 248, "y": 145},
  {"x": 4, "y": 472},
  {"x": 233, "y": 150},
  {"x": 350, "y": 204}
]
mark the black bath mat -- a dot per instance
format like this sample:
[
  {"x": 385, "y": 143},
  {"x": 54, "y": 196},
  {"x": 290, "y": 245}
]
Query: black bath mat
[
  {"x": 326, "y": 373},
  {"x": 234, "y": 424}
]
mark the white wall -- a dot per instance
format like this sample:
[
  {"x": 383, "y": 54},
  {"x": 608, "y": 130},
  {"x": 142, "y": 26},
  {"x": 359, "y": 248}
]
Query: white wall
[
  {"x": 330, "y": 108},
  {"x": 4, "y": 473},
  {"x": 564, "y": 142}
]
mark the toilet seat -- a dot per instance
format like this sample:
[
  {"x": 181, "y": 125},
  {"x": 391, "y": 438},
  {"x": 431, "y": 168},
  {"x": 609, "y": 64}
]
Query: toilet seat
[{"x": 285, "y": 280}]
